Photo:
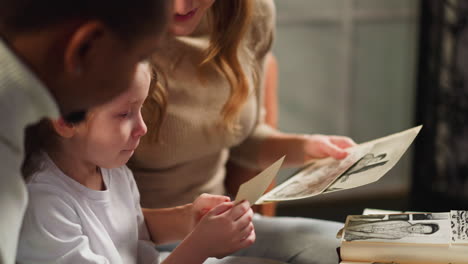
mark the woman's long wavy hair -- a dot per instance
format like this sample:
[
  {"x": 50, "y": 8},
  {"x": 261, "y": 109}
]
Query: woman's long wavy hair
[
  {"x": 229, "y": 21},
  {"x": 155, "y": 105}
]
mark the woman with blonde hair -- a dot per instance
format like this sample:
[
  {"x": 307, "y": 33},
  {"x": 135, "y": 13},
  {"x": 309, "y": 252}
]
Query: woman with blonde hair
[{"x": 211, "y": 64}]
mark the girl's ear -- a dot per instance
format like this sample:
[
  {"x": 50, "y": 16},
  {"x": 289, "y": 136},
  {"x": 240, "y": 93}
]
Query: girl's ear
[{"x": 63, "y": 128}]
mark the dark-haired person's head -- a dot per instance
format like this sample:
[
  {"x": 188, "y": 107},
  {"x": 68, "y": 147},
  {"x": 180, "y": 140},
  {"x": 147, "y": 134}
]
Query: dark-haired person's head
[
  {"x": 84, "y": 51},
  {"x": 424, "y": 228}
]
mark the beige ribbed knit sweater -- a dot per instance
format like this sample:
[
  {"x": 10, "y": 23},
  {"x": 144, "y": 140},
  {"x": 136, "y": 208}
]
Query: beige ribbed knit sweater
[{"x": 192, "y": 151}]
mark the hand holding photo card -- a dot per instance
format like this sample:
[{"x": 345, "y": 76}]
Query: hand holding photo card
[
  {"x": 256, "y": 187},
  {"x": 366, "y": 163},
  {"x": 314, "y": 178},
  {"x": 384, "y": 153}
]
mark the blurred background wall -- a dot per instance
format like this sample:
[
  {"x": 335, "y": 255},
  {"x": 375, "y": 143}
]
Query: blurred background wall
[
  {"x": 349, "y": 67},
  {"x": 440, "y": 178}
]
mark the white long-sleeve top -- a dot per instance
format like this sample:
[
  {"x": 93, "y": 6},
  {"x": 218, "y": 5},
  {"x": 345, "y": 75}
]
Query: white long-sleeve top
[{"x": 65, "y": 222}]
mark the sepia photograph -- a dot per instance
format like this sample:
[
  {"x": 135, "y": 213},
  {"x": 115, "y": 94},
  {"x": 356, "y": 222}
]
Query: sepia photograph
[
  {"x": 366, "y": 163},
  {"x": 315, "y": 178},
  {"x": 383, "y": 155}
]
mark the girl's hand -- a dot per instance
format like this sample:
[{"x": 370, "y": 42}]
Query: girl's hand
[
  {"x": 203, "y": 204},
  {"x": 224, "y": 230}
]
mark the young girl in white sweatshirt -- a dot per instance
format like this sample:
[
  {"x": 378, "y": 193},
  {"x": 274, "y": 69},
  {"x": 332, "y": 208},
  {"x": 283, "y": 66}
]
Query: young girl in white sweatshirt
[{"x": 85, "y": 206}]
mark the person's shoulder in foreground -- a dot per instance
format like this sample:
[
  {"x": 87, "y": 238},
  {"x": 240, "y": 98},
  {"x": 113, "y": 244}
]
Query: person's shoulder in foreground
[{"x": 43, "y": 50}]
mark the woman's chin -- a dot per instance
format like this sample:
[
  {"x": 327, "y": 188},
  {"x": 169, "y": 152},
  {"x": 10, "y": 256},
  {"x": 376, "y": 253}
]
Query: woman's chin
[{"x": 181, "y": 30}]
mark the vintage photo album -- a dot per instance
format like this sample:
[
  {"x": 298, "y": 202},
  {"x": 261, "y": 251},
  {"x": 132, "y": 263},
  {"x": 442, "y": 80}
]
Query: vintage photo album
[{"x": 405, "y": 238}]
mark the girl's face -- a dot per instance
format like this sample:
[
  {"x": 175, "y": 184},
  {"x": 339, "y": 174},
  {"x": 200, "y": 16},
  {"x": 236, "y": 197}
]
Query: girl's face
[
  {"x": 187, "y": 14},
  {"x": 113, "y": 131}
]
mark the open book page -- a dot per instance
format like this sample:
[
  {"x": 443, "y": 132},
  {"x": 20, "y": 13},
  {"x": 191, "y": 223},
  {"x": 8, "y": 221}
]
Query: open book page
[
  {"x": 367, "y": 163},
  {"x": 459, "y": 223},
  {"x": 369, "y": 211},
  {"x": 430, "y": 238},
  {"x": 430, "y": 228}
]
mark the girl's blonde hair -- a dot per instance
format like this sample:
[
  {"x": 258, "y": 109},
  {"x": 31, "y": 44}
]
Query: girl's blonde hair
[
  {"x": 42, "y": 136},
  {"x": 229, "y": 21}
]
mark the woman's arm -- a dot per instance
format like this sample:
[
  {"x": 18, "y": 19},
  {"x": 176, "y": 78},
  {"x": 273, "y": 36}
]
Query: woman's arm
[
  {"x": 271, "y": 90},
  {"x": 236, "y": 174},
  {"x": 168, "y": 224}
]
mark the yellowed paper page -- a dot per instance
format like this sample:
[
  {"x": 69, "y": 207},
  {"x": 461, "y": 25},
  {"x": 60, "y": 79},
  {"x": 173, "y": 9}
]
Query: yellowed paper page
[{"x": 253, "y": 189}]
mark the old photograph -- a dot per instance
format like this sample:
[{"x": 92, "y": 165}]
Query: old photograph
[
  {"x": 384, "y": 154},
  {"x": 366, "y": 163},
  {"x": 315, "y": 178},
  {"x": 431, "y": 228}
]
